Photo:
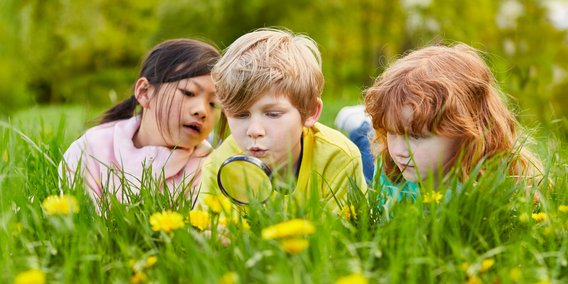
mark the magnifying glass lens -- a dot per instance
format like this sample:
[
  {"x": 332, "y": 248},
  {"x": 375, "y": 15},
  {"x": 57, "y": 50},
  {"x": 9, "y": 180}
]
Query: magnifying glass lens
[{"x": 244, "y": 180}]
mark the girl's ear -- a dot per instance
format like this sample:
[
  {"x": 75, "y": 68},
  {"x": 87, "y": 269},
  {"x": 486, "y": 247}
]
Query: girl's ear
[
  {"x": 142, "y": 92},
  {"x": 313, "y": 118}
]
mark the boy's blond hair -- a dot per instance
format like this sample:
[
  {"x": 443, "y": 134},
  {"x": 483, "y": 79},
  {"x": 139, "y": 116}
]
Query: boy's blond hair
[{"x": 269, "y": 59}]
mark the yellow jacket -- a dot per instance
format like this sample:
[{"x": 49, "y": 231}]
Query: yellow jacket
[{"x": 329, "y": 160}]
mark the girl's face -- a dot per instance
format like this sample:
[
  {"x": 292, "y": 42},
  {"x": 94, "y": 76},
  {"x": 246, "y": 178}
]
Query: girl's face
[
  {"x": 420, "y": 156},
  {"x": 190, "y": 117}
]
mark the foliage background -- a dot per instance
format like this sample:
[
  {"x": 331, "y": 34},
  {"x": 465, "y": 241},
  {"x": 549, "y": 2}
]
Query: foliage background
[{"x": 87, "y": 52}]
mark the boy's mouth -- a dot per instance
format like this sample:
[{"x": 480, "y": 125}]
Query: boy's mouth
[{"x": 257, "y": 151}]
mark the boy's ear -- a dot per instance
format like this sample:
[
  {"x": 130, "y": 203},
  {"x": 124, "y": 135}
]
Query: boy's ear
[
  {"x": 314, "y": 117},
  {"x": 142, "y": 92}
]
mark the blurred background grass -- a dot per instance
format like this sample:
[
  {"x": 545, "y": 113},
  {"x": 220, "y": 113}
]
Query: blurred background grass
[{"x": 88, "y": 52}]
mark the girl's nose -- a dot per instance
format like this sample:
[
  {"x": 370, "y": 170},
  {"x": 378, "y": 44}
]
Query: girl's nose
[
  {"x": 398, "y": 146},
  {"x": 199, "y": 109}
]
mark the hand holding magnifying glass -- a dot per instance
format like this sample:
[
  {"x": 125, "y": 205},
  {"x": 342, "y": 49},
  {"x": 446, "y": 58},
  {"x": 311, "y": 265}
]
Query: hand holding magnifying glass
[{"x": 246, "y": 179}]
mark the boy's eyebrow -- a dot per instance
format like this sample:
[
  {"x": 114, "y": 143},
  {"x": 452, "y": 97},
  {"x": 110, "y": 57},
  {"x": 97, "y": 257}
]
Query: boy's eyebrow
[{"x": 269, "y": 105}]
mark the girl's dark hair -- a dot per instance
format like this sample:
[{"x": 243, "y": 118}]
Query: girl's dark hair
[{"x": 169, "y": 61}]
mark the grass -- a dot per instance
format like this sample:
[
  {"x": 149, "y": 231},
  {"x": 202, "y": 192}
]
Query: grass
[{"x": 489, "y": 232}]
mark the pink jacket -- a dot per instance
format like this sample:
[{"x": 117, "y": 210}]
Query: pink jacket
[{"x": 106, "y": 154}]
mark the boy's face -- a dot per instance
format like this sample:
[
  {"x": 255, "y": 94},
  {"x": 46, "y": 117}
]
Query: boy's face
[
  {"x": 271, "y": 129},
  {"x": 420, "y": 154}
]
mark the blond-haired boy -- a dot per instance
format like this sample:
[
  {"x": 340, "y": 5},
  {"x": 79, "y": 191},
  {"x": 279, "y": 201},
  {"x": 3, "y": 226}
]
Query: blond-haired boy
[{"x": 269, "y": 82}]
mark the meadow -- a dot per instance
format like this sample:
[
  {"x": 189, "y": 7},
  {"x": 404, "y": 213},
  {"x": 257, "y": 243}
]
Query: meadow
[{"x": 486, "y": 231}]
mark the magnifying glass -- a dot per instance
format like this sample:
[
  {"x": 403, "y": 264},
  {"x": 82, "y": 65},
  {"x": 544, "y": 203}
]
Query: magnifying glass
[{"x": 245, "y": 179}]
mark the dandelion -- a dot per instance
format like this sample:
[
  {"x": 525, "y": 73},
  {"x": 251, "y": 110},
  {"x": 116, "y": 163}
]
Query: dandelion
[
  {"x": 291, "y": 228},
  {"x": 516, "y": 274},
  {"x": 217, "y": 204},
  {"x": 224, "y": 221},
  {"x": 432, "y": 197},
  {"x": 563, "y": 208},
  {"x": 524, "y": 217},
  {"x": 60, "y": 205},
  {"x": 229, "y": 278},
  {"x": 474, "y": 280},
  {"x": 150, "y": 261},
  {"x": 166, "y": 221},
  {"x": 540, "y": 217},
  {"x": 32, "y": 276},
  {"x": 548, "y": 231},
  {"x": 486, "y": 264},
  {"x": 294, "y": 246},
  {"x": 138, "y": 277},
  {"x": 355, "y": 278},
  {"x": 349, "y": 212},
  {"x": 199, "y": 219}
]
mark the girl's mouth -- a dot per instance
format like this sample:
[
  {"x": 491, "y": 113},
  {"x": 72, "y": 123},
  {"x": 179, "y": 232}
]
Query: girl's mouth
[{"x": 195, "y": 127}]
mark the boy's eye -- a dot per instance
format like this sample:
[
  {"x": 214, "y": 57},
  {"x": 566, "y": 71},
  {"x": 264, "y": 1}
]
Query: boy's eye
[{"x": 241, "y": 115}]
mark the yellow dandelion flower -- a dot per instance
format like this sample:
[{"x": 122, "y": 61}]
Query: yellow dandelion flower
[
  {"x": 32, "y": 276},
  {"x": 524, "y": 217},
  {"x": 486, "y": 264},
  {"x": 474, "y": 280},
  {"x": 229, "y": 278},
  {"x": 199, "y": 219},
  {"x": 516, "y": 274},
  {"x": 543, "y": 282},
  {"x": 434, "y": 196},
  {"x": 355, "y": 278},
  {"x": 291, "y": 228},
  {"x": 138, "y": 277},
  {"x": 294, "y": 246},
  {"x": 349, "y": 212},
  {"x": 224, "y": 221},
  {"x": 540, "y": 217},
  {"x": 217, "y": 204},
  {"x": 166, "y": 221},
  {"x": 60, "y": 205},
  {"x": 548, "y": 231},
  {"x": 17, "y": 228},
  {"x": 563, "y": 208},
  {"x": 150, "y": 261}
]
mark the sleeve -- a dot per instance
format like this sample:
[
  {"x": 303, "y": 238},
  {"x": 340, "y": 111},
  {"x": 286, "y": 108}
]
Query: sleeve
[
  {"x": 77, "y": 165},
  {"x": 348, "y": 181},
  {"x": 70, "y": 166},
  {"x": 208, "y": 184}
]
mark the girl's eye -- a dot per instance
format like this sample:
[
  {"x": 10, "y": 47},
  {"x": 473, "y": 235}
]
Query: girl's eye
[
  {"x": 273, "y": 114},
  {"x": 188, "y": 93},
  {"x": 415, "y": 136},
  {"x": 214, "y": 105}
]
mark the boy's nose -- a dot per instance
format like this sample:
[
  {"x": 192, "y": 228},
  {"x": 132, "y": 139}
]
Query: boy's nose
[{"x": 255, "y": 130}]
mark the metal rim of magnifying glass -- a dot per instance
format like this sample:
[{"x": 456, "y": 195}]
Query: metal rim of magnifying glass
[{"x": 255, "y": 161}]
